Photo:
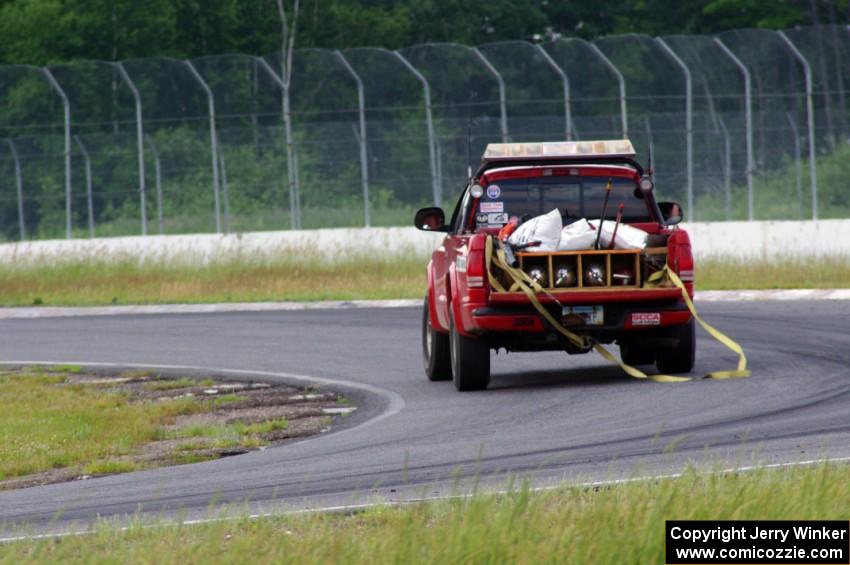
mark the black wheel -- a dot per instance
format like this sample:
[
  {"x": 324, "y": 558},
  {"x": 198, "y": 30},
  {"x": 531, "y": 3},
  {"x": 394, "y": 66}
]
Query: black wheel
[
  {"x": 679, "y": 359},
  {"x": 470, "y": 361},
  {"x": 435, "y": 349},
  {"x": 634, "y": 354}
]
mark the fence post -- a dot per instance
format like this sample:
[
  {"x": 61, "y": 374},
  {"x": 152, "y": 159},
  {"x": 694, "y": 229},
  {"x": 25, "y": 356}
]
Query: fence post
[
  {"x": 748, "y": 117},
  {"x": 225, "y": 190},
  {"x": 157, "y": 168},
  {"x": 648, "y": 128},
  {"x": 810, "y": 118},
  {"x": 727, "y": 167},
  {"x": 438, "y": 149},
  {"x": 89, "y": 194},
  {"x": 624, "y": 115},
  {"x": 429, "y": 122},
  {"x": 364, "y": 158},
  {"x": 565, "y": 81},
  {"x": 798, "y": 158},
  {"x": 291, "y": 161},
  {"x": 576, "y": 131},
  {"x": 19, "y": 187},
  {"x": 213, "y": 142},
  {"x": 292, "y": 158},
  {"x": 503, "y": 107},
  {"x": 689, "y": 123},
  {"x": 140, "y": 142},
  {"x": 67, "y": 107}
]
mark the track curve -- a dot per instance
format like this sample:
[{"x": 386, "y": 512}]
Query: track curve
[{"x": 548, "y": 417}]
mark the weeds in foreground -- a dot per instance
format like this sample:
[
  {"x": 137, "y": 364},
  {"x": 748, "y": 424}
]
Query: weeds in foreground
[{"x": 617, "y": 524}]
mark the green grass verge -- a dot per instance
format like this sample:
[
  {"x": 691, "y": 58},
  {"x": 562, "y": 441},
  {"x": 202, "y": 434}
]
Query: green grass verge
[
  {"x": 831, "y": 272},
  {"x": 44, "y": 426},
  {"x": 59, "y": 423},
  {"x": 92, "y": 282},
  {"x": 620, "y": 524},
  {"x": 173, "y": 384},
  {"x": 89, "y": 283}
]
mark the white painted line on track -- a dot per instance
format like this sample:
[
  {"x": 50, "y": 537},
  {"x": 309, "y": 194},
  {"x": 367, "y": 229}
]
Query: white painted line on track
[
  {"x": 773, "y": 295},
  {"x": 64, "y": 312}
]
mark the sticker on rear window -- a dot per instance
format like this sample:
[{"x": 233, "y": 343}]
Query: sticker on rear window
[
  {"x": 488, "y": 207},
  {"x": 493, "y": 191},
  {"x": 491, "y": 220}
]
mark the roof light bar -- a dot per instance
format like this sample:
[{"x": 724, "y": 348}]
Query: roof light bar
[{"x": 559, "y": 149}]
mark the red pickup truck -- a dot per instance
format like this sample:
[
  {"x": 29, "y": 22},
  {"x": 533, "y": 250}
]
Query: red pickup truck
[{"x": 466, "y": 313}]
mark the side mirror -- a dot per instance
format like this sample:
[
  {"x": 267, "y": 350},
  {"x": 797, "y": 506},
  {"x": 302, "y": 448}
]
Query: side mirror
[
  {"x": 430, "y": 219},
  {"x": 671, "y": 212}
]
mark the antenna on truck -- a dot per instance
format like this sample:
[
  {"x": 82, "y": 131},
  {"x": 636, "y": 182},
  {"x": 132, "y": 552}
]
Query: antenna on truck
[
  {"x": 608, "y": 188},
  {"x": 469, "y": 150},
  {"x": 649, "y": 170}
]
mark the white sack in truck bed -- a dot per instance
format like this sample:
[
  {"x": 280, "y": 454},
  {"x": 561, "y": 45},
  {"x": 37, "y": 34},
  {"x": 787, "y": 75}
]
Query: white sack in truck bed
[
  {"x": 628, "y": 237},
  {"x": 577, "y": 236},
  {"x": 546, "y": 229}
]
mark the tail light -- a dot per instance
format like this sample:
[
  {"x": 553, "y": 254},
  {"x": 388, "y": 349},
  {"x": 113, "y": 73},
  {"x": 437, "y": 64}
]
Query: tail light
[
  {"x": 477, "y": 281},
  {"x": 680, "y": 259},
  {"x": 687, "y": 276},
  {"x": 475, "y": 269}
]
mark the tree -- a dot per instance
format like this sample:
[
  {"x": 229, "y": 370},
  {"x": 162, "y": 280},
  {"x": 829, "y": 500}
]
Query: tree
[
  {"x": 287, "y": 48},
  {"x": 50, "y": 31}
]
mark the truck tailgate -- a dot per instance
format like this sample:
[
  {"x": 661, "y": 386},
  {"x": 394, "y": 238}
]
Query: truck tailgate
[{"x": 589, "y": 296}]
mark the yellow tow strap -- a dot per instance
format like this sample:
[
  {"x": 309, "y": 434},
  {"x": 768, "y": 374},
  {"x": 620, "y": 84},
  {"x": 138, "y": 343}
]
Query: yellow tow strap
[{"x": 521, "y": 281}]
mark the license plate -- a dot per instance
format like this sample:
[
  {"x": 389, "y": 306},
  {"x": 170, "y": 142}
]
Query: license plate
[{"x": 592, "y": 315}]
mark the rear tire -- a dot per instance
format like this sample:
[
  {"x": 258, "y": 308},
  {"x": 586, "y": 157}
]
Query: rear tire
[
  {"x": 633, "y": 354},
  {"x": 470, "y": 361},
  {"x": 435, "y": 349},
  {"x": 679, "y": 359}
]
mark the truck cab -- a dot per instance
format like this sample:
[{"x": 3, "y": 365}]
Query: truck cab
[{"x": 600, "y": 293}]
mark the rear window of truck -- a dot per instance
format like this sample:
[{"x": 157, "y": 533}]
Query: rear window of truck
[{"x": 574, "y": 197}]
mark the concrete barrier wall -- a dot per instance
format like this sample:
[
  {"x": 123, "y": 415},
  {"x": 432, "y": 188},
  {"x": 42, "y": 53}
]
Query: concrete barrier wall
[
  {"x": 771, "y": 240},
  {"x": 324, "y": 244},
  {"x": 742, "y": 240}
]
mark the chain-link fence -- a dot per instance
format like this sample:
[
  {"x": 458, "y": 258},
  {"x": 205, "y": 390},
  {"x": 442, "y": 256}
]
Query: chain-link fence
[{"x": 750, "y": 124}]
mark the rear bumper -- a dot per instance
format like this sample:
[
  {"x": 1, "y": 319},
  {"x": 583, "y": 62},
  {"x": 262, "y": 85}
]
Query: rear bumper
[
  {"x": 618, "y": 316},
  {"x": 588, "y": 296}
]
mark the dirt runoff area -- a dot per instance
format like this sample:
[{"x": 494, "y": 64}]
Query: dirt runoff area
[{"x": 169, "y": 421}]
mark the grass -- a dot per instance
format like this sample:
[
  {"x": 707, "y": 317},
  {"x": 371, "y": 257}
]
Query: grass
[
  {"x": 174, "y": 384},
  {"x": 619, "y": 524},
  {"x": 92, "y": 282},
  {"x": 218, "y": 431},
  {"x": 58, "y": 424},
  {"x": 110, "y": 466},
  {"x": 170, "y": 384},
  {"x": 227, "y": 400},
  {"x": 44, "y": 426},
  {"x": 827, "y": 272}
]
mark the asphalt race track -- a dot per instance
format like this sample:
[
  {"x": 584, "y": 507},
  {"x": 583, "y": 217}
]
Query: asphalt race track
[{"x": 548, "y": 417}]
